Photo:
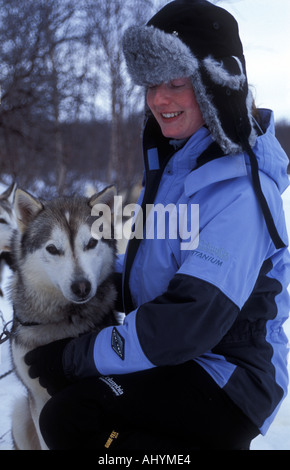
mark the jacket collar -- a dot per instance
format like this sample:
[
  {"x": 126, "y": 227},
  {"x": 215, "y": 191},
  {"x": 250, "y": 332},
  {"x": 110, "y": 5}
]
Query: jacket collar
[{"x": 220, "y": 169}]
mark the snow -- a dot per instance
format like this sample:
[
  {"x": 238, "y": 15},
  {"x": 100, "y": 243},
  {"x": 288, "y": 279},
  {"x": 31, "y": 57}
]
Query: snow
[{"x": 277, "y": 438}]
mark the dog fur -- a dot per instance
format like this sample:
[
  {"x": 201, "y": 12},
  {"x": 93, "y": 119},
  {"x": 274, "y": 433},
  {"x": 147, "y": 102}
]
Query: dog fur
[
  {"x": 62, "y": 287},
  {"x": 7, "y": 226}
]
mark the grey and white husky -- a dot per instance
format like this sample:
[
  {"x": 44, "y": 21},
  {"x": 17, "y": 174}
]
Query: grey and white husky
[
  {"x": 61, "y": 287},
  {"x": 7, "y": 225}
]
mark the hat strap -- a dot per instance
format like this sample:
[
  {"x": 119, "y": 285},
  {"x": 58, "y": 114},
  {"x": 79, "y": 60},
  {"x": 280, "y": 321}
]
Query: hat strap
[{"x": 260, "y": 196}]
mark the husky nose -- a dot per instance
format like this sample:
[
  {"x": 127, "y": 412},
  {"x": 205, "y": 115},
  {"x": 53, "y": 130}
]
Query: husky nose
[{"x": 81, "y": 288}]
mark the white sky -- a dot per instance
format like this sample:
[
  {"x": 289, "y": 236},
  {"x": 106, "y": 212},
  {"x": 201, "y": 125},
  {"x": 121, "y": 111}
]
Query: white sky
[{"x": 265, "y": 34}]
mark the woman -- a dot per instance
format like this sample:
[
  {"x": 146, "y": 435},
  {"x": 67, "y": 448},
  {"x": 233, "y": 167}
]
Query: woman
[{"x": 200, "y": 361}]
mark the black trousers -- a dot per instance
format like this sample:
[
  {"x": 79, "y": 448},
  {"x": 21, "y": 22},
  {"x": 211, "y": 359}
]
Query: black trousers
[{"x": 165, "y": 408}]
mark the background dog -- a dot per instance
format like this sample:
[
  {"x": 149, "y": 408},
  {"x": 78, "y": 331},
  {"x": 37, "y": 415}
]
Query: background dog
[
  {"x": 62, "y": 287},
  {"x": 7, "y": 225}
]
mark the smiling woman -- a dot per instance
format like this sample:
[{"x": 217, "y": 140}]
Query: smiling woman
[{"x": 175, "y": 108}]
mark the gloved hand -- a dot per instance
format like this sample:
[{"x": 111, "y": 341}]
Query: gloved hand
[{"x": 46, "y": 363}]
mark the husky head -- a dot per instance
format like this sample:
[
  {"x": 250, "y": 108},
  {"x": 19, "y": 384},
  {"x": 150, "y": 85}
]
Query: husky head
[
  {"x": 55, "y": 252},
  {"x": 7, "y": 217}
]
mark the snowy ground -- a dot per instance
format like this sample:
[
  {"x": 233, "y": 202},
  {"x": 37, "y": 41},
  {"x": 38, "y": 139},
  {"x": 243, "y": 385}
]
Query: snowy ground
[{"x": 277, "y": 438}]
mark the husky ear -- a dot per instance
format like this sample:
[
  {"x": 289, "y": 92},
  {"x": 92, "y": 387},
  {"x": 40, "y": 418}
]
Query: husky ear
[
  {"x": 12, "y": 193},
  {"x": 104, "y": 197},
  {"x": 9, "y": 193},
  {"x": 26, "y": 208}
]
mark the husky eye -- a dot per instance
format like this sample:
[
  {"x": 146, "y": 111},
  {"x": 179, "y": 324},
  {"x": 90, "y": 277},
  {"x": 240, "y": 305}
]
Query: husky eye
[
  {"x": 3, "y": 221},
  {"x": 53, "y": 250},
  {"x": 92, "y": 244}
]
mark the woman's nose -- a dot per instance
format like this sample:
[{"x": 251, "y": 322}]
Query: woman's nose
[{"x": 161, "y": 95}]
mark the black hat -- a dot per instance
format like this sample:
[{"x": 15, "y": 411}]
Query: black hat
[{"x": 197, "y": 39}]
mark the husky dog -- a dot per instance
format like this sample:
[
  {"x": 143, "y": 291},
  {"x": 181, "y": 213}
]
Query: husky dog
[
  {"x": 62, "y": 287},
  {"x": 7, "y": 225}
]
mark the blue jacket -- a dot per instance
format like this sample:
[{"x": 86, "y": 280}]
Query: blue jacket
[{"x": 214, "y": 291}]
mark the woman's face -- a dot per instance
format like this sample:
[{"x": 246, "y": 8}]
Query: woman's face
[{"x": 175, "y": 108}]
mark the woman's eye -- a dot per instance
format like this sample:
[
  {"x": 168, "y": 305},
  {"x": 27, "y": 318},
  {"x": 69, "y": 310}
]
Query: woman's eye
[
  {"x": 51, "y": 249},
  {"x": 92, "y": 244},
  {"x": 177, "y": 83}
]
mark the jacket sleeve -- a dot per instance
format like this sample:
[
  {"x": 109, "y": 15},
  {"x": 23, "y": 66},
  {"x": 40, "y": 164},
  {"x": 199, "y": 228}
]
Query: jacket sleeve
[
  {"x": 165, "y": 331},
  {"x": 191, "y": 318}
]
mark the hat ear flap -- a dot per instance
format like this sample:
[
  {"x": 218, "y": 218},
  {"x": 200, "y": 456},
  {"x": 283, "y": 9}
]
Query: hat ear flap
[
  {"x": 227, "y": 72},
  {"x": 225, "y": 107}
]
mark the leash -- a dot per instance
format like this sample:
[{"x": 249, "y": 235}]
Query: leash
[
  {"x": 6, "y": 333},
  {"x": 6, "y": 374},
  {"x": 5, "y": 336}
]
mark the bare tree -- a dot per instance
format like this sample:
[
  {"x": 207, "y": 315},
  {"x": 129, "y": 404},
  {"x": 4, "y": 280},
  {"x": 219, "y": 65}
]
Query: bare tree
[
  {"x": 62, "y": 44},
  {"x": 107, "y": 21},
  {"x": 53, "y": 56},
  {"x": 21, "y": 49},
  {"x": 43, "y": 81}
]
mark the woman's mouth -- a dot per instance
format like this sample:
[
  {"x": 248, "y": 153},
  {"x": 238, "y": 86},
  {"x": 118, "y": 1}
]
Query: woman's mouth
[{"x": 167, "y": 116}]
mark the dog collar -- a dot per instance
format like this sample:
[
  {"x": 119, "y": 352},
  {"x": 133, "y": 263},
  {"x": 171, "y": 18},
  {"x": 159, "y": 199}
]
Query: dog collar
[{"x": 24, "y": 323}]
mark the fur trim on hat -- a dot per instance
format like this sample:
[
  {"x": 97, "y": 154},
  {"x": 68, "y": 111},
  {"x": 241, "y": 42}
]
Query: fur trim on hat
[
  {"x": 220, "y": 75},
  {"x": 154, "y": 56}
]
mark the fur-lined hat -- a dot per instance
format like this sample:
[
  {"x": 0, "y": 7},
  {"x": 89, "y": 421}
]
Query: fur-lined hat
[{"x": 194, "y": 38}]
